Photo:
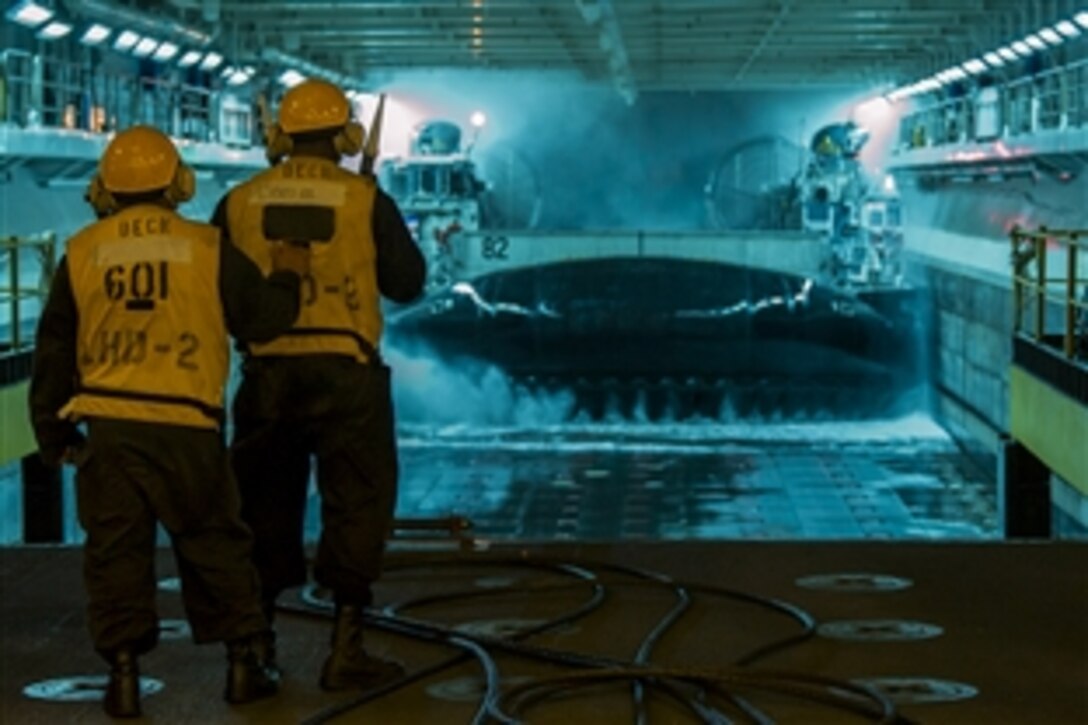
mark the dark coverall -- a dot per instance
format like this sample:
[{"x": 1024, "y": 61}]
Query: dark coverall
[
  {"x": 339, "y": 411},
  {"x": 132, "y": 473}
]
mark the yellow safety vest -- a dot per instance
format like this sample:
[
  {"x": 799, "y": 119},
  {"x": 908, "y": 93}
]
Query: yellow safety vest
[
  {"x": 152, "y": 340},
  {"x": 340, "y": 310}
]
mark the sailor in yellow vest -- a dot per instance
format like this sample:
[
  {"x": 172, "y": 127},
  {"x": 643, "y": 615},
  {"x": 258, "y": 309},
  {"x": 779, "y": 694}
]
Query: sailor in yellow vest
[
  {"x": 133, "y": 342},
  {"x": 322, "y": 389}
]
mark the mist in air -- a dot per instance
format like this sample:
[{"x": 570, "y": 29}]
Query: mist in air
[{"x": 597, "y": 162}]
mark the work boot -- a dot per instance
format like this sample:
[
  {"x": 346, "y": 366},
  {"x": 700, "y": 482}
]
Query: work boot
[
  {"x": 348, "y": 666},
  {"x": 123, "y": 689},
  {"x": 265, "y": 643},
  {"x": 249, "y": 678}
]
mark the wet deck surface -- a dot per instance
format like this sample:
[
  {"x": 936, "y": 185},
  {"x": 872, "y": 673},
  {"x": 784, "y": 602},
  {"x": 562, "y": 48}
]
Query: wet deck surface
[
  {"x": 995, "y": 633},
  {"x": 895, "y": 479}
]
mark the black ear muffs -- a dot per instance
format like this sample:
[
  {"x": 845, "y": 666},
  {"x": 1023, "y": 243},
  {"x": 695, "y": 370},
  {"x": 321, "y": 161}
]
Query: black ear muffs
[
  {"x": 183, "y": 187},
  {"x": 99, "y": 197},
  {"x": 278, "y": 145},
  {"x": 350, "y": 139}
]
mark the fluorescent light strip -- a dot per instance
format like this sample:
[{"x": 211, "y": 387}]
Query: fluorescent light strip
[
  {"x": 165, "y": 52},
  {"x": 975, "y": 66},
  {"x": 29, "y": 14},
  {"x": 190, "y": 57},
  {"x": 1067, "y": 28},
  {"x": 291, "y": 77},
  {"x": 211, "y": 61},
  {"x": 1035, "y": 42},
  {"x": 997, "y": 58},
  {"x": 144, "y": 47},
  {"x": 95, "y": 34},
  {"x": 55, "y": 29},
  {"x": 1051, "y": 36},
  {"x": 126, "y": 40}
]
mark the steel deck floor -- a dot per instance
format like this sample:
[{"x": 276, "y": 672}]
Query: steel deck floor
[
  {"x": 897, "y": 479},
  {"x": 1004, "y": 620}
]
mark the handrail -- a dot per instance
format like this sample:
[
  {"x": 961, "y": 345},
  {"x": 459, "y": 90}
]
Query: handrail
[
  {"x": 39, "y": 90},
  {"x": 13, "y": 291},
  {"x": 1052, "y": 99},
  {"x": 1034, "y": 247}
]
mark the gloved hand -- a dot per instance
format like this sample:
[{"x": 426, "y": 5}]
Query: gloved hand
[
  {"x": 291, "y": 258},
  {"x": 66, "y": 446},
  {"x": 76, "y": 455}
]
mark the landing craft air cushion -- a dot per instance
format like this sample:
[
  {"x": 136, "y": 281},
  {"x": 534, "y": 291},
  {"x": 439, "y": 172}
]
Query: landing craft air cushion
[{"x": 665, "y": 323}]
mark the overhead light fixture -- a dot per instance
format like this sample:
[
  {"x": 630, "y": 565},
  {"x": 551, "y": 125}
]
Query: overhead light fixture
[
  {"x": 144, "y": 47},
  {"x": 994, "y": 59},
  {"x": 28, "y": 13},
  {"x": 362, "y": 96},
  {"x": 1022, "y": 48},
  {"x": 211, "y": 61},
  {"x": 1008, "y": 53},
  {"x": 874, "y": 106},
  {"x": 1067, "y": 28},
  {"x": 1082, "y": 18},
  {"x": 190, "y": 57},
  {"x": 238, "y": 77},
  {"x": 975, "y": 66},
  {"x": 95, "y": 34},
  {"x": 1051, "y": 36},
  {"x": 165, "y": 52},
  {"x": 478, "y": 119},
  {"x": 955, "y": 74},
  {"x": 291, "y": 77},
  {"x": 55, "y": 29},
  {"x": 1035, "y": 42},
  {"x": 126, "y": 40}
]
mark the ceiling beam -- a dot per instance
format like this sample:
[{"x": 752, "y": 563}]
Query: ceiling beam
[
  {"x": 562, "y": 33},
  {"x": 600, "y": 15},
  {"x": 634, "y": 44},
  {"x": 783, "y": 10}
]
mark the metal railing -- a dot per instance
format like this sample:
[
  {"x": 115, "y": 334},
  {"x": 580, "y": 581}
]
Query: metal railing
[
  {"x": 38, "y": 91},
  {"x": 20, "y": 255},
  {"x": 1033, "y": 288},
  {"x": 1054, "y": 99}
]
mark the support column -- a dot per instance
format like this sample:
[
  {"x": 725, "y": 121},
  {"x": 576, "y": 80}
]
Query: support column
[
  {"x": 43, "y": 502},
  {"x": 1024, "y": 491}
]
